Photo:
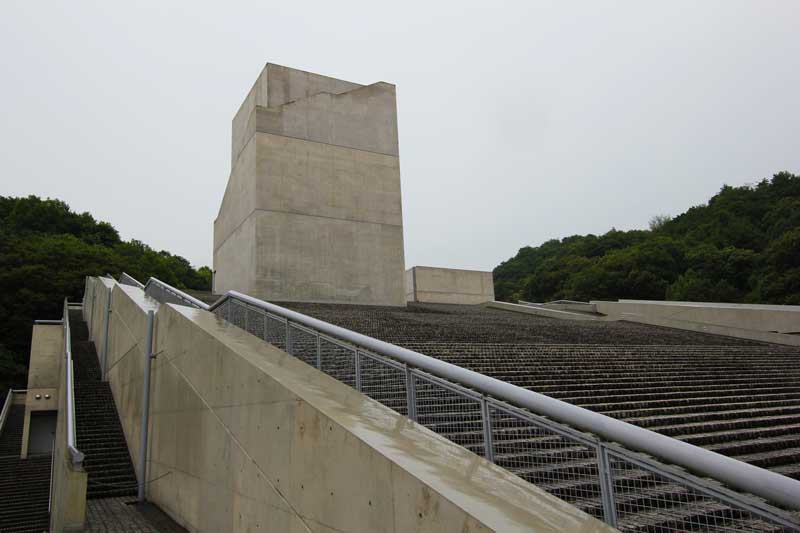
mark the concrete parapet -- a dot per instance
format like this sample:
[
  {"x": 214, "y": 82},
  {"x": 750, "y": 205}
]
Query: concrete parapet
[
  {"x": 448, "y": 285},
  {"x": 68, "y": 483}
]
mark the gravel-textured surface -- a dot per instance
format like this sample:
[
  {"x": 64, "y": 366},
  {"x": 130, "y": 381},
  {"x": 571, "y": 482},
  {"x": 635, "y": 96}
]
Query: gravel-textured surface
[{"x": 477, "y": 324}]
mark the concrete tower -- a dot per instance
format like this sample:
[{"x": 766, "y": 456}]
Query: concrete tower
[{"x": 312, "y": 211}]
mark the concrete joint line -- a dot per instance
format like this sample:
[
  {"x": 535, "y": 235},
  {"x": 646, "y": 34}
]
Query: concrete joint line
[
  {"x": 244, "y": 450},
  {"x": 136, "y": 345},
  {"x": 246, "y": 218}
]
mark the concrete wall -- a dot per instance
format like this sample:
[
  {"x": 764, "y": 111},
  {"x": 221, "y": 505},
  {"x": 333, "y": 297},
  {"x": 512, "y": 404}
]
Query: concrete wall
[
  {"x": 312, "y": 210},
  {"x": 448, "y": 285},
  {"x": 772, "y": 318},
  {"x": 767, "y": 323},
  {"x": 47, "y": 352},
  {"x": 244, "y": 437},
  {"x": 68, "y": 497},
  {"x": 275, "y": 86}
]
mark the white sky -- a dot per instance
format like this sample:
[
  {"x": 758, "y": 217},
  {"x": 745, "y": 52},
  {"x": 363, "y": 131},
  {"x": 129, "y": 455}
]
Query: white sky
[{"x": 519, "y": 122}]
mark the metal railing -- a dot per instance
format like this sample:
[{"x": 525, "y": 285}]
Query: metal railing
[
  {"x": 7, "y": 405},
  {"x": 163, "y": 292},
  {"x": 75, "y": 455},
  {"x": 591, "y": 460},
  {"x": 125, "y": 279}
]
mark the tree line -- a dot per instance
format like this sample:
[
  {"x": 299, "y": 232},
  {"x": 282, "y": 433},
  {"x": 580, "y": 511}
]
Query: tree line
[
  {"x": 46, "y": 251},
  {"x": 742, "y": 246}
]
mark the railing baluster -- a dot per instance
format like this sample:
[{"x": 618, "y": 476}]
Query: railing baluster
[
  {"x": 486, "y": 420},
  {"x": 319, "y": 351},
  {"x": 357, "y": 363},
  {"x": 606, "y": 485},
  {"x": 411, "y": 394}
]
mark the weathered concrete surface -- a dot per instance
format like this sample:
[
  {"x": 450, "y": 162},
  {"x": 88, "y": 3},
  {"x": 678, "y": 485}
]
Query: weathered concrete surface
[
  {"x": 542, "y": 311},
  {"x": 245, "y": 437},
  {"x": 47, "y": 351},
  {"x": 68, "y": 500},
  {"x": 768, "y": 323},
  {"x": 448, "y": 285},
  {"x": 96, "y": 313},
  {"x": 277, "y": 85},
  {"x": 312, "y": 210}
]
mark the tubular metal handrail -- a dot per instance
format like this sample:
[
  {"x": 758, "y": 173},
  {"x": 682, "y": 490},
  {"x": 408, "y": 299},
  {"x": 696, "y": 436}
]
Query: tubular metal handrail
[
  {"x": 75, "y": 454},
  {"x": 126, "y": 279},
  {"x": 771, "y": 486},
  {"x": 7, "y": 405},
  {"x": 175, "y": 295}
]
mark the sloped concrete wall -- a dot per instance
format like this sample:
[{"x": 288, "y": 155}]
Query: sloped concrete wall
[
  {"x": 771, "y": 318},
  {"x": 244, "y": 437},
  {"x": 768, "y": 323},
  {"x": 68, "y": 497}
]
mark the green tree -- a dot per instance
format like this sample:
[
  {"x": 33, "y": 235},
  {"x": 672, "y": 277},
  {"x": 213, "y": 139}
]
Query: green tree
[{"x": 743, "y": 245}]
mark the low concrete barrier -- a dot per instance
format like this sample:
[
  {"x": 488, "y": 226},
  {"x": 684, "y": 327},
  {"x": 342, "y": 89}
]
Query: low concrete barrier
[
  {"x": 68, "y": 483},
  {"x": 755, "y": 322},
  {"x": 448, "y": 285},
  {"x": 541, "y": 311},
  {"x": 244, "y": 437}
]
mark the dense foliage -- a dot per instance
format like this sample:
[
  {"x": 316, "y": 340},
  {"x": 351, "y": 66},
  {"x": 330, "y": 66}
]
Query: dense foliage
[
  {"x": 46, "y": 250},
  {"x": 743, "y": 246}
]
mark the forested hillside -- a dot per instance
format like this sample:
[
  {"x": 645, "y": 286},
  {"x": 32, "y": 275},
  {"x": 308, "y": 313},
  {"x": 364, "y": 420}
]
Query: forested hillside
[
  {"x": 46, "y": 250},
  {"x": 742, "y": 246}
]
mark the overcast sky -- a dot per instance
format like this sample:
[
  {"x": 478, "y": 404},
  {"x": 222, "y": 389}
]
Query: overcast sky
[{"x": 519, "y": 122}]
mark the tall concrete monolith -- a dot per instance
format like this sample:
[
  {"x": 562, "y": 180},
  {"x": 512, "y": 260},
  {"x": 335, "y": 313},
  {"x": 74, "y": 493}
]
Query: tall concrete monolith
[{"x": 312, "y": 210}]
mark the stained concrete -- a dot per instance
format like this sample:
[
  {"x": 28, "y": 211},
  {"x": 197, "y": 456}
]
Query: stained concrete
[
  {"x": 448, "y": 285},
  {"x": 312, "y": 210},
  {"x": 245, "y": 437}
]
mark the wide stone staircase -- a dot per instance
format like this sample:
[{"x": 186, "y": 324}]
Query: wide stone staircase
[
  {"x": 99, "y": 432},
  {"x": 739, "y": 399},
  {"x": 24, "y": 483}
]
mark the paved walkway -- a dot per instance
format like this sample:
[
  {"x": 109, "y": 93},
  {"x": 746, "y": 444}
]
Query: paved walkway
[{"x": 125, "y": 515}]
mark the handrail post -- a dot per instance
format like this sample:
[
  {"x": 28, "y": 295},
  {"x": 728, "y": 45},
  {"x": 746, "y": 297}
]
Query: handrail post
[
  {"x": 606, "y": 485},
  {"x": 319, "y": 351},
  {"x": 357, "y": 363},
  {"x": 148, "y": 356},
  {"x": 411, "y": 394},
  {"x": 104, "y": 365},
  {"x": 488, "y": 439},
  {"x": 91, "y": 313}
]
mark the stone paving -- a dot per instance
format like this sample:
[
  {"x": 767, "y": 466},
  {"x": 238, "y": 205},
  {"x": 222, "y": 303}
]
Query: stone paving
[{"x": 125, "y": 515}]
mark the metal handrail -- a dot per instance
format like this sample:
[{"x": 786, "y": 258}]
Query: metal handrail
[
  {"x": 127, "y": 279},
  {"x": 176, "y": 293},
  {"x": 7, "y": 405},
  {"x": 75, "y": 454},
  {"x": 758, "y": 481}
]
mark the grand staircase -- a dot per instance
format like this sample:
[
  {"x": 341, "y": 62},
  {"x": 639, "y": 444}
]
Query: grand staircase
[
  {"x": 99, "y": 432},
  {"x": 24, "y": 483},
  {"x": 737, "y": 398}
]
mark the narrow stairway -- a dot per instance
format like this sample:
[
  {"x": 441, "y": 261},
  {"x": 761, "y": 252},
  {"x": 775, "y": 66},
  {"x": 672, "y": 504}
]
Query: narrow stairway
[
  {"x": 24, "y": 483},
  {"x": 99, "y": 432}
]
